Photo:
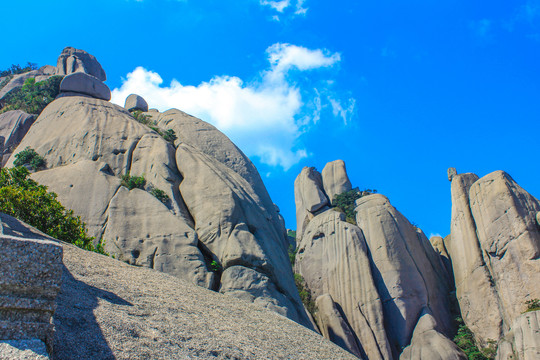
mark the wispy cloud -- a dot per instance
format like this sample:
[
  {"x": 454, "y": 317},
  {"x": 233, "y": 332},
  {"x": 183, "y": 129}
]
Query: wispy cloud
[
  {"x": 264, "y": 117},
  {"x": 289, "y": 7}
]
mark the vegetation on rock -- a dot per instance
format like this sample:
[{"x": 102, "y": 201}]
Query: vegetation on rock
[
  {"x": 29, "y": 157},
  {"x": 132, "y": 182},
  {"x": 464, "y": 339},
  {"x": 215, "y": 266},
  {"x": 532, "y": 305},
  {"x": 33, "y": 96},
  {"x": 5, "y": 81},
  {"x": 16, "y": 69},
  {"x": 345, "y": 202},
  {"x": 292, "y": 254},
  {"x": 160, "y": 195},
  {"x": 305, "y": 294},
  {"x": 26, "y": 200},
  {"x": 168, "y": 135}
]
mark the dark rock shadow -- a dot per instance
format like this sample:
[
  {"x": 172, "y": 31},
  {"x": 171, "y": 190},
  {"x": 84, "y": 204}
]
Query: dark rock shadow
[{"x": 77, "y": 333}]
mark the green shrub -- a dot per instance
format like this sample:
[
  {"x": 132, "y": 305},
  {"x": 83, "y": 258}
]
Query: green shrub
[
  {"x": 142, "y": 118},
  {"x": 215, "y": 266},
  {"x": 26, "y": 200},
  {"x": 292, "y": 254},
  {"x": 5, "y": 81},
  {"x": 33, "y": 96},
  {"x": 132, "y": 182},
  {"x": 345, "y": 202},
  {"x": 464, "y": 339},
  {"x": 29, "y": 157},
  {"x": 16, "y": 69},
  {"x": 532, "y": 305},
  {"x": 305, "y": 294},
  {"x": 160, "y": 195},
  {"x": 169, "y": 135}
]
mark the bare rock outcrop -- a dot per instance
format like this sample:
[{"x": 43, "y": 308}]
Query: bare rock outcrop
[
  {"x": 495, "y": 248},
  {"x": 333, "y": 259},
  {"x": 17, "y": 81},
  {"x": 73, "y": 60},
  {"x": 82, "y": 83},
  {"x": 429, "y": 343},
  {"x": 31, "y": 271},
  {"x": 309, "y": 196},
  {"x": 227, "y": 216},
  {"x": 107, "y": 309},
  {"x": 136, "y": 102},
  {"x": 14, "y": 125},
  {"x": 335, "y": 179},
  {"x": 233, "y": 224},
  {"x": 407, "y": 272}
]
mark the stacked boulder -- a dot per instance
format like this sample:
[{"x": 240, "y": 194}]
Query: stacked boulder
[
  {"x": 495, "y": 252},
  {"x": 380, "y": 287},
  {"x": 83, "y": 74},
  {"x": 203, "y": 214}
]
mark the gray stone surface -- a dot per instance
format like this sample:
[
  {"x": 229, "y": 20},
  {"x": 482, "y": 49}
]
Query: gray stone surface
[
  {"x": 309, "y": 197},
  {"x": 82, "y": 83},
  {"x": 335, "y": 179},
  {"x": 232, "y": 222},
  {"x": 110, "y": 310},
  {"x": 33, "y": 349},
  {"x": 334, "y": 326},
  {"x": 333, "y": 259},
  {"x": 407, "y": 272},
  {"x": 475, "y": 292},
  {"x": 428, "y": 343},
  {"x": 73, "y": 60},
  {"x": 136, "y": 102},
  {"x": 504, "y": 214},
  {"x": 31, "y": 277},
  {"x": 451, "y": 173},
  {"x": 14, "y": 125}
]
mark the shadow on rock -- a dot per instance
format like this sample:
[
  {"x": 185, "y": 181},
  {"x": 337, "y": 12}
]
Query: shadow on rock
[{"x": 77, "y": 333}]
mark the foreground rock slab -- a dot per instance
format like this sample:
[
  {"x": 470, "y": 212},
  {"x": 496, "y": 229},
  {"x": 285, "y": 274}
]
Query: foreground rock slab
[{"x": 110, "y": 310}]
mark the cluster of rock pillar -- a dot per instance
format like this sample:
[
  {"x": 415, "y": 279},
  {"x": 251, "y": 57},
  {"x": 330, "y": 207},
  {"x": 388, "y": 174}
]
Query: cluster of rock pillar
[{"x": 383, "y": 291}]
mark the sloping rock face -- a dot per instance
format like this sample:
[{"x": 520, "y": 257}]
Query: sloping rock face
[
  {"x": 14, "y": 125},
  {"x": 107, "y": 309},
  {"x": 522, "y": 341},
  {"x": 335, "y": 179},
  {"x": 73, "y": 60},
  {"x": 215, "y": 225},
  {"x": 407, "y": 272},
  {"x": 17, "y": 81},
  {"x": 381, "y": 275},
  {"x": 495, "y": 248}
]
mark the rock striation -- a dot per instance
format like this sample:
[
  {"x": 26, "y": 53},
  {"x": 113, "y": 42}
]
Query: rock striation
[
  {"x": 494, "y": 248},
  {"x": 373, "y": 280},
  {"x": 31, "y": 270}
]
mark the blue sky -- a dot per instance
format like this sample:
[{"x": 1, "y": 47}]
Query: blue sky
[{"x": 399, "y": 90}]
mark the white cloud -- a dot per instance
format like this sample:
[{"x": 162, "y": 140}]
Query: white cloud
[
  {"x": 264, "y": 118},
  {"x": 293, "y": 7}
]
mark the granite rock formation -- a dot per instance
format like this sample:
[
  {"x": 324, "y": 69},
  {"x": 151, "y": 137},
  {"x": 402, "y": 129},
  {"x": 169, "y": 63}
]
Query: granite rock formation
[
  {"x": 335, "y": 179},
  {"x": 107, "y": 309},
  {"x": 14, "y": 125},
  {"x": 73, "y": 60},
  {"x": 214, "y": 223},
  {"x": 380, "y": 275},
  {"x": 17, "y": 81},
  {"x": 495, "y": 252},
  {"x": 136, "y": 102},
  {"x": 81, "y": 83}
]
